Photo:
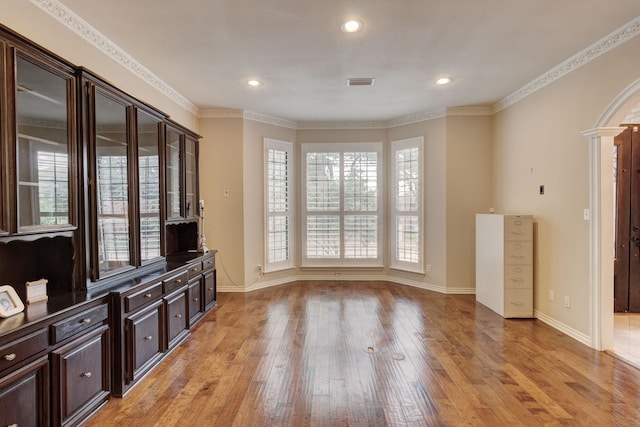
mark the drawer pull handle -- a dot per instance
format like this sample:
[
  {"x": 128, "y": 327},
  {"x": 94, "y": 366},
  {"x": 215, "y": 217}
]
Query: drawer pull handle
[
  {"x": 517, "y": 232},
  {"x": 148, "y": 338},
  {"x": 12, "y": 425},
  {"x": 211, "y": 289},
  {"x": 517, "y": 256},
  {"x": 87, "y": 375},
  {"x": 9, "y": 357},
  {"x": 148, "y": 295},
  {"x": 195, "y": 269},
  {"x": 195, "y": 299},
  {"x": 179, "y": 316},
  {"x": 517, "y": 279},
  {"x": 178, "y": 280},
  {"x": 517, "y": 303},
  {"x": 86, "y": 321}
]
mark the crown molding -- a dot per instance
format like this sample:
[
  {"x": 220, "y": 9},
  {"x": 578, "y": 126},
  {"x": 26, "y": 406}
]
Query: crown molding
[
  {"x": 270, "y": 120},
  {"x": 474, "y": 110},
  {"x": 341, "y": 125},
  {"x": 597, "y": 49},
  {"x": 71, "y": 20},
  {"x": 220, "y": 113}
]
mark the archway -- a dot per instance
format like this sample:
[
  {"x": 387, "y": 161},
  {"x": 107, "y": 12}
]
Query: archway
[{"x": 602, "y": 208}]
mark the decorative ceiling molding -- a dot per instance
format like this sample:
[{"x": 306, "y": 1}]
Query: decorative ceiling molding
[
  {"x": 81, "y": 27},
  {"x": 475, "y": 110},
  {"x": 601, "y": 47},
  {"x": 417, "y": 118},
  {"x": 270, "y": 120},
  {"x": 342, "y": 125},
  {"x": 220, "y": 113}
]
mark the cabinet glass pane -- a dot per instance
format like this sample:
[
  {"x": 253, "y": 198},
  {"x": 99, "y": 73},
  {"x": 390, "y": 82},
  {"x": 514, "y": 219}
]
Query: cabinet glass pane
[
  {"x": 191, "y": 169},
  {"x": 149, "y": 187},
  {"x": 173, "y": 174},
  {"x": 112, "y": 189},
  {"x": 43, "y": 148}
]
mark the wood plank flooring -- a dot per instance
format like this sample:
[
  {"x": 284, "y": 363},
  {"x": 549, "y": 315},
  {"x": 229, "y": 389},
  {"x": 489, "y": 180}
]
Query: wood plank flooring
[{"x": 375, "y": 354}]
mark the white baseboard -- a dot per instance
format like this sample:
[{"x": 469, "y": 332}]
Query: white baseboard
[
  {"x": 354, "y": 278},
  {"x": 577, "y": 335}
]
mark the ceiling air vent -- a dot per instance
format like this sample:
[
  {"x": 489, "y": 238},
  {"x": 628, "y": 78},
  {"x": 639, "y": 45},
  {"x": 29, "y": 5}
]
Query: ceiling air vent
[{"x": 361, "y": 81}]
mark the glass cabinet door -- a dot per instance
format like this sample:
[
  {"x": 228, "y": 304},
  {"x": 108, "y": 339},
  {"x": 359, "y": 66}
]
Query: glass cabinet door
[
  {"x": 149, "y": 186},
  {"x": 42, "y": 152},
  {"x": 113, "y": 232},
  {"x": 191, "y": 175},
  {"x": 173, "y": 175}
]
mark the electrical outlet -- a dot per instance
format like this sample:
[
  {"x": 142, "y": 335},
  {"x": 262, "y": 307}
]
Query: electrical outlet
[
  {"x": 567, "y": 302},
  {"x": 552, "y": 295},
  {"x": 259, "y": 268}
]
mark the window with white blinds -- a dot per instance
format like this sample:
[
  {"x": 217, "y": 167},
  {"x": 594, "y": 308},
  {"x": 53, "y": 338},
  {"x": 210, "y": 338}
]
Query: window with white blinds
[
  {"x": 278, "y": 157},
  {"x": 341, "y": 207},
  {"x": 407, "y": 208}
]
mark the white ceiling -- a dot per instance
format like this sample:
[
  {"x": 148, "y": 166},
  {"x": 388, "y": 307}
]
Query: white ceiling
[{"x": 207, "y": 49}]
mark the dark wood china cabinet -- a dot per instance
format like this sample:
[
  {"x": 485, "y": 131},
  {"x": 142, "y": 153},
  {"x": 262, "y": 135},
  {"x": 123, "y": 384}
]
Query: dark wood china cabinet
[{"x": 99, "y": 196}]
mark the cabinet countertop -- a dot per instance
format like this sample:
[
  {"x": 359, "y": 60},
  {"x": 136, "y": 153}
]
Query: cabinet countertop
[{"x": 56, "y": 305}]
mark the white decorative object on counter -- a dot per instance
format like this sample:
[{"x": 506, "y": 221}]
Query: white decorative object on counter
[
  {"x": 37, "y": 291},
  {"x": 10, "y": 303}
]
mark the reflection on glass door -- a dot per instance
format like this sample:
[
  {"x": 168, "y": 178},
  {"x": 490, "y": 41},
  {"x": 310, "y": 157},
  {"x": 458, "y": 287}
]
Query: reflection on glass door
[
  {"x": 43, "y": 146},
  {"x": 149, "y": 187},
  {"x": 112, "y": 190}
]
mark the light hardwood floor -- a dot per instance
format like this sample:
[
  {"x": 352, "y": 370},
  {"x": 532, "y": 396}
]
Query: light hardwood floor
[
  {"x": 376, "y": 354},
  {"x": 627, "y": 337}
]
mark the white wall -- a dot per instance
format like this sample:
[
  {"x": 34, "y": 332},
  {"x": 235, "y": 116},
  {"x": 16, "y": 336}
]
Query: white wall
[{"x": 538, "y": 141}]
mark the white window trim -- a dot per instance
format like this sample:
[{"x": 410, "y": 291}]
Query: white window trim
[
  {"x": 403, "y": 144},
  {"x": 376, "y": 147},
  {"x": 273, "y": 144}
]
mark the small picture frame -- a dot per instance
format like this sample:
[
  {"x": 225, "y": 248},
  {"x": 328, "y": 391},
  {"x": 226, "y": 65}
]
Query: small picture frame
[{"x": 10, "y": 303}]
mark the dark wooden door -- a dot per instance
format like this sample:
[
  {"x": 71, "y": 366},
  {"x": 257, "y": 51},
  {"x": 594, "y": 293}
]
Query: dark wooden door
[{"x": 627, "y": 257}]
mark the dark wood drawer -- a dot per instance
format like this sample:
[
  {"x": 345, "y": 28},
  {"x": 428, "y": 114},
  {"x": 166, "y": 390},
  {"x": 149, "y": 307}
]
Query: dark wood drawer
[
  {"x": 177, "y": 321},
  {"x": 174, "y": 282},
  {"x": 209, "y": 264},
  {"x": 78, "y": 323},
  {"x": 143, "y": 297},
  {"x": 194, "y": 269},
  {"x": 209, "y": 289},
  {"x": 195, "y": 299},
  {"x": 145, "y": 342},
  {"x": 24, "y": 395},
  {"x": 81, "y": 370},
  {"x": 23, "y": 348}
]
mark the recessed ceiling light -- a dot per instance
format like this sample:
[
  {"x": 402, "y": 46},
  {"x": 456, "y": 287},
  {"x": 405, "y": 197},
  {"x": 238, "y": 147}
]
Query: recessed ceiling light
[
  {"x": 443, "y": 81},
  {"x": 254, "y": 83},
  {"x": 351, "y": 26}
]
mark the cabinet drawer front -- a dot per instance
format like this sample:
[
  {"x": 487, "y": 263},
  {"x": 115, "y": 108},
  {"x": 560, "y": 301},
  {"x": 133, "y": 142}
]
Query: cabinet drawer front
[
  {"x": 518, "y": 276},
  {"x": 83, "y": 372},
  {"x": 143, "y": 297},
  {"x": 518, "y": 253},
  {"x": 24, "y": 395},
  {"x": 177, "y": 320},
  {"x": 78, "y": 323},
  {"x": 518, "y": 229},
  {"x": 209, "y": 263},
  {"x": 518, "y": 303},
  {"x": 194, "y": 269},
  {"x": 209, "y": 289},
  {"x": 175, "y": 282},
  {"x": 195, "y": 298},
  {"x": 144, "y": 339},
  {"x": 23, "y": 348}
]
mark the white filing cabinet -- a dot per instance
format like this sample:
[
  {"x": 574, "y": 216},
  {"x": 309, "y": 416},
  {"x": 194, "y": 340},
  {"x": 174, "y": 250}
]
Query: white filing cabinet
[{"x": 504, "y": 263}]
